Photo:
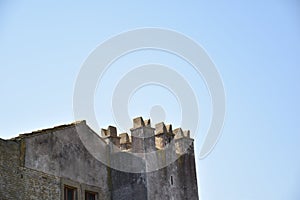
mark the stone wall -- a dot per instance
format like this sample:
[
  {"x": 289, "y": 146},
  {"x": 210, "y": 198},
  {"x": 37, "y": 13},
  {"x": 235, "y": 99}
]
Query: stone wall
[
  {"x": 127, "y": 185},
  {"x": 177, "y": 181},
  {"x": 10, "y": 177},
  {"x": 19, "y": 183},
  {"x": 38, "y": 166},
  {"x": 38, "y": 185},
  {"x": 61, "y": 153}
]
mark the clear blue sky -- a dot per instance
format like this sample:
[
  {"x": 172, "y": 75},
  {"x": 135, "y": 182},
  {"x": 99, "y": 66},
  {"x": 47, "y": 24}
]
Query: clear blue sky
[{"x": 255, "y": 46}]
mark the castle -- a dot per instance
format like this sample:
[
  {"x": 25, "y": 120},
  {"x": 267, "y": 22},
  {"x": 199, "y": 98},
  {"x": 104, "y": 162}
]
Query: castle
[{"x": 72, "y": 162}]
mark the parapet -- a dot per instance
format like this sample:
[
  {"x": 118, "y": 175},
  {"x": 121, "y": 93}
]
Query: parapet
[
  {"x": 147, "y": 122},
  {"x": 111, "y": 131},
  {"x": 179, "y": 133},
  {"x": 186, "y": 133},
  {"x": 161, "y": 128},
  {"x": 138, "y": 122},
  {"x": 125, "y": 142},
  {"x": 169, "y": 128},
  {"x": 124, "y": 138},
  {"x": 110, "y": 135},
  {"x": 144, "y": 137}
]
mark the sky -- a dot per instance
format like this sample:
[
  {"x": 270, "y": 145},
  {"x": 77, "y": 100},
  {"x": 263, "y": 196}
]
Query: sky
[{"x": 255, "y": 46}]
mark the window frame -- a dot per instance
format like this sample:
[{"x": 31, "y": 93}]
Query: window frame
[
  {"x": 90, "y": 193},
  {"x": 74, "y": 189},
  {"x": 81, "y": 188}
]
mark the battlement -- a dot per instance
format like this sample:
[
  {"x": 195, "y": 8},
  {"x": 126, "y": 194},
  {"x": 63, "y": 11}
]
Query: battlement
[
  {"x": 144, "y": 138},
  {"x": 110, "y": 135}
]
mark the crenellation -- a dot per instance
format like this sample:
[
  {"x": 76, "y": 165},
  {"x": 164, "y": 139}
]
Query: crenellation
[
  {"x": 183, "y": 142},
  {"x": 160, "y": 128},
  {"x": 147, "y": 122},
  {"x": 125, "y": 143},
  {"x": 178, "y": 133},
  {"x": 142, "y": 131},
  {"x": 124, "y": 138},
  {"x": 186, "y": 133},
  {"x": 110, "y": 131},
  {"x": 161, "y": 135},
  {"x": 110, "y": 135},
  {"x": 138, "y": 122},
  {"x": 169, "y": 129}
]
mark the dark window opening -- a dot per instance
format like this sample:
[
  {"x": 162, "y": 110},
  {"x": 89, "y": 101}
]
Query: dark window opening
[
  {"x": 70, "y": 193},
  {"x": 171, "y": 180},
  {"x": 90, "y": 195}
]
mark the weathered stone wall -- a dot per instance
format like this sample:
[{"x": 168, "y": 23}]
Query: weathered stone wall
[
  {"x": 127, "y": 185},
  {"x": 177, "y": 181},
  {"x": 61, "y": 153},
  {"x": 187, "y": 173},
  {"x": 10, "y": 178},
  {"x": 38, "y": 185},
  {"x": 17, "y": 182}
]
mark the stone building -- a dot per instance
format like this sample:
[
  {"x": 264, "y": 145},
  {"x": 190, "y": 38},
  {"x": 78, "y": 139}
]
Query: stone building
[{"x": 58, "y": 163}]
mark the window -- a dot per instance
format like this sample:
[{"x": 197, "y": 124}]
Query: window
[
  {"x": 171, "y": 180},
  {"x": 70, "y": 193},
  {"x": 90, "y": 195}
]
